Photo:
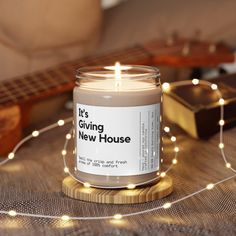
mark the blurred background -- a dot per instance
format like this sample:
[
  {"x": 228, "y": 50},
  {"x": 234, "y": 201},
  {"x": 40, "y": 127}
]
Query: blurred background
[{"x": 35, "y": 35}]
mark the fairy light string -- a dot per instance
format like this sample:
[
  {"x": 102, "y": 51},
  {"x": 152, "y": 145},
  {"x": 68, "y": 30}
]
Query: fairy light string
[
  {"x": 129, "y": 186},
  {"x": 166, "y": 88}
]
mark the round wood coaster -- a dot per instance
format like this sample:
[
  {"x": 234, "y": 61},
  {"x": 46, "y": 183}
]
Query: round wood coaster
[{"x": 76, "y": 190}]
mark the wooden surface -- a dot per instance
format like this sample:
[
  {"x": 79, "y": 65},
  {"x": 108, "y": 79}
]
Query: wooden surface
[{"x": 76, "y": 190}]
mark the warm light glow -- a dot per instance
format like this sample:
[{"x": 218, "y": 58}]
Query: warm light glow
[
  {"x": 61, "y": 122},
  {"x": 35, "y": 133},
  {"x": 173, "y": 138},
  {"x": 221, "y": 122},
  {"x": 221, "y": 101},
  {"x": 167, "y": 129},
  {"x": 117, "y": 216},
  {"x": 228, "y": 165},
  {"x": 131, "y": 186},
  {"x": 12, "y": 213},
  {"x": 176, "y": 149},
  {"x": 174, "y": 161},
  {"x": 66, "y": 169},
  {"x": 117, "y": 71},
  {"x": 122, "y": 67},
  {"x": 163, "y": 174},
  {"x": 195, "y": 81},
  {"x": 165, "y": 87},
  {"x": 210, "y": 186},
  {"x": 221, "y": 145},
  {"x": 87, "y": 185},
  {"x": 65, "y": 217},
  {"x": 63, "y": 152},
  {"x": 11, "y": 155},
  {"x": 214, "y": 86},
  {"x": 158, "y": 173},
  {"x": 167, "y": 205},
  {"x": 68, "y": 136}
]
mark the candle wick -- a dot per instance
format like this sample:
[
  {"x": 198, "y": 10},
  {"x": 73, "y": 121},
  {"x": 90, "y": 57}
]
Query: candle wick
[{"x": 117, "y": 75}]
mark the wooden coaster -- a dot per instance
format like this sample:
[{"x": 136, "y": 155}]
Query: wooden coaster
[{"x": 76, "y": 190}]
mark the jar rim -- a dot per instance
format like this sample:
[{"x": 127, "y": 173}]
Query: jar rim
[{"x": 108, "y": 72}]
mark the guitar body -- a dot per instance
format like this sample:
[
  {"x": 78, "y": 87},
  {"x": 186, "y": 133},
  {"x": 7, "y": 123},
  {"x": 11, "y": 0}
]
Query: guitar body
[
  {"x": 14, "y": 119},
  {"x": 10, "y": 128}
]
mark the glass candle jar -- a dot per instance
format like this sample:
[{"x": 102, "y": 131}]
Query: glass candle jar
[{"x": 117, "y": 118}]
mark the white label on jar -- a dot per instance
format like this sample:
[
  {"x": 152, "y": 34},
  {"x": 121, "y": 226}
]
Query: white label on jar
[{"x": 117, "y": 141}]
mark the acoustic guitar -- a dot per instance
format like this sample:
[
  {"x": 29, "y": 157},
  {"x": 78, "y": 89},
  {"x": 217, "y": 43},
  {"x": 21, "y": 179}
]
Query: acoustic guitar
[{"x": 18, "y": 95}]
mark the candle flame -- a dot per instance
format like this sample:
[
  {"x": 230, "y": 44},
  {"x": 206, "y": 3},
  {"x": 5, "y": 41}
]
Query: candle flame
[
  {"x": 117, "y": 68},
  {"x": 117, "y": 71},
  {"x": 118, "y": 65}
]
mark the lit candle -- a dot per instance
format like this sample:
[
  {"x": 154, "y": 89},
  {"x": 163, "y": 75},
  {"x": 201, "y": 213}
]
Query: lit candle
[{"x": 117, "y": 111}]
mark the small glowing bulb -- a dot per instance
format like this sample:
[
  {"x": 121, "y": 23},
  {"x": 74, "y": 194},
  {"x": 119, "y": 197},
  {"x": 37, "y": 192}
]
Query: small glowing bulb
[
  {"x": 11, "y": 155},
  {"x": 65, "y": 217},
  {"x": 174, "y": 161},
  {"x": 117, "y": 216},
  {"x": 221, "y": 101},
  {"x": 176, "y": 149},
  {"x": 214, "y": 86},
  {"x": 167, "y": 205},
  {"x": 165, "y": 87},
  {"x": 162, "y": 160},
  {"x": 210, "y": 186},
  {"x": 12, "y": 213},
  {"x": 158, "y": 173},
  {"x": 221, "y": 145},
  {"x": 173, "y": 138},
  {"x": 195, "y": 81},
  {"x": 228, "y": 165},
  {"x": 163, "y": 174},
  {"x": 221, "y": 122},
  {"x": 167, "y": 129},
  {"x": 61, "y": 122},
  {"x": 66, "y": 170},
  {"x": 87, "y": 185},
  {"x": 35, "y": 133},
  {"x": 63, "y": 152},
  {"x": 131, "y": 186},
  {"x": 68, "y": 136}
]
